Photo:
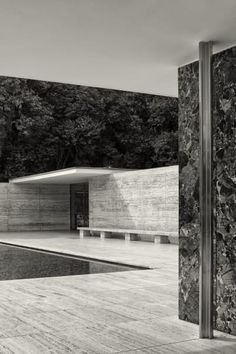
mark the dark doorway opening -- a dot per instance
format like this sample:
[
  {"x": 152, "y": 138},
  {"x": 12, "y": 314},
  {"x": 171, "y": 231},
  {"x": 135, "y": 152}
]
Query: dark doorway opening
[{"x": 79, "y": 205}]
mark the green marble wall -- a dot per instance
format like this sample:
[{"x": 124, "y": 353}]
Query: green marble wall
[
  {"x": 224, "y": 141},
  {"x": 189, "y": 223},
  {"x": 224, "y": 190}
]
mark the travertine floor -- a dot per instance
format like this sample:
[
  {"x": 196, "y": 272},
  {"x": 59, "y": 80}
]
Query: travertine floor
[
  {"x": 130, "y": 312},
  {"x": 135, "y": 253}
]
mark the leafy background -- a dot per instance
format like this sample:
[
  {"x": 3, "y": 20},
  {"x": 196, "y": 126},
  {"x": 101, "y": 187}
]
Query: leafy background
[{"x": 46, "y": 126}]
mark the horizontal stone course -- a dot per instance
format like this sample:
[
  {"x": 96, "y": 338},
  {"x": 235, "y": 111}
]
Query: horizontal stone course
[
  {"x": 137, "y": 200},
  {"x": 34, "y": 207}
]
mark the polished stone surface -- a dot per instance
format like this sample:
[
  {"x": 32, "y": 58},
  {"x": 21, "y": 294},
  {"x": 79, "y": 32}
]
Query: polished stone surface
[
  {"x": 124, "y": 312},
  {"x": 189, "y": 192},
  {"x": 224, "y": 118},
  {"x": 137, "y": 253},
  {"x": 224, "y": 190},
  {"x": 21, "y": 263}
]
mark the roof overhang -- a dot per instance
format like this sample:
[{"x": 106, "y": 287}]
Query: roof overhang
[{"x": 67, "y": 176}]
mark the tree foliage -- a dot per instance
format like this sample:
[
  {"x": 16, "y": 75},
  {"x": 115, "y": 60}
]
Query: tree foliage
[{"x": 46, "y": 126}]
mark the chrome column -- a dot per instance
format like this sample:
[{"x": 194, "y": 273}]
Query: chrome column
[{"x": 206, "y": 208}]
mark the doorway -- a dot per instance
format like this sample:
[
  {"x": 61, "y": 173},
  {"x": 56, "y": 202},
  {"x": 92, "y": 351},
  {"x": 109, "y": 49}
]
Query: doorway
[{"x": 79, "y": 205}]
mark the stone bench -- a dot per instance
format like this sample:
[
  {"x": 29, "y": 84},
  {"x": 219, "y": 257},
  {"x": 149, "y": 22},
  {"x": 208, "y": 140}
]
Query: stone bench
[{"x": 130, "y": 235}]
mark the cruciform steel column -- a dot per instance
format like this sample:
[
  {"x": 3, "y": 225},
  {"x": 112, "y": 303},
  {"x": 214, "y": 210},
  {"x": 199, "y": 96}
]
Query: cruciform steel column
[{"x": 206, "y": 224}]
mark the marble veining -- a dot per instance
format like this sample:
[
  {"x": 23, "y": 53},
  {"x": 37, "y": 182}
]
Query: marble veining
[
  {"x": 224, "y": 190},
  {"x": 189, "y": 223},
  {"x": 224, "y": 139}
]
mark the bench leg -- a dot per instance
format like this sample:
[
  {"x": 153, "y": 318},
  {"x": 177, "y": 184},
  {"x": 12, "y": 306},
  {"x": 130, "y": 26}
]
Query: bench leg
[
  {"x": 127, "y": 237},
  {"x": 104, "y": 234},
  {"x": 130, "y": 237},
  {"x": 83, "y": 233},
  {"x": 161, "y": 239}
]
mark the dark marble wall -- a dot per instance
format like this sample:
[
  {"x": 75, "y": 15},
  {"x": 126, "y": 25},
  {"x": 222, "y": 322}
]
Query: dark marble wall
[
  {"x": 224, "y": 141},
  {"x": 189, "y": 192},
  {"x": 224, "y": 190}
]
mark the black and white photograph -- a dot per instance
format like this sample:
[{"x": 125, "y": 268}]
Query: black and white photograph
[{"x": 117, "y": 176}]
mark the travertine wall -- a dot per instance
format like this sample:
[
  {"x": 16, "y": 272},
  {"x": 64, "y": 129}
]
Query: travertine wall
[
  {"x": 34, "y": 207},
  {"x": 139, "y": 200}
]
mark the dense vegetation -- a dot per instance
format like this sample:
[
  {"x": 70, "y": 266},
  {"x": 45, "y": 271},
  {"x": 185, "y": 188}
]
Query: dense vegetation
[{"x": 46, "y": 126}]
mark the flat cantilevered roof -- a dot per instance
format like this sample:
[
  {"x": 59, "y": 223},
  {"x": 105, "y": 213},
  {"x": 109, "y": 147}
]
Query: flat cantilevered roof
[{"x": 71, "y": 175}]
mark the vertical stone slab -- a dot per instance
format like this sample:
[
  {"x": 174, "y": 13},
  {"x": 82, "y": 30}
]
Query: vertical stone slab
[
  {"x": 23, "y": 211},
  {"x": 54, "y": 207},
  {"x": 224, "y": 190},
  {"x": 33, "y": 207},
  {"x": 224, "y": 140},
  {"x": 189, "y": 217}
]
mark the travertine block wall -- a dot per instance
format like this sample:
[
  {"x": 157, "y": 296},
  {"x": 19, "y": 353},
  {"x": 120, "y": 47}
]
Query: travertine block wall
[
  {"x": 34, "y": 207},
  {"x": 139, "y": 200}
]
